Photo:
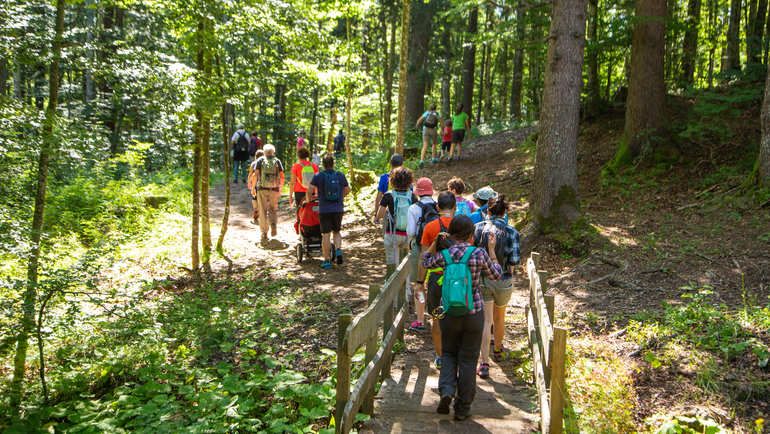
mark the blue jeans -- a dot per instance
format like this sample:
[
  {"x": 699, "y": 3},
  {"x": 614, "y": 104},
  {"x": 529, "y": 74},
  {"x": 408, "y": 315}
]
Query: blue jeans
[{"x": 243, "y": 166}]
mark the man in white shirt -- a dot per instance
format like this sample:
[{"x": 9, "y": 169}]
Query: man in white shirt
[{"x": 416, "y": 218}]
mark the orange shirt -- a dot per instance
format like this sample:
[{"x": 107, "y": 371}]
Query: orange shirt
[
  {"x": 431, "y": 230},
  {"x": 296, "y": 170}
]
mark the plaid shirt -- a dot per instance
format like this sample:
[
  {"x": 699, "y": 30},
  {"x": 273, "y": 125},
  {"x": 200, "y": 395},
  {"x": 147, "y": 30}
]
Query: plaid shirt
[
  {"x": 507, "y": 247},
  {"x": 478, "y": 262}
]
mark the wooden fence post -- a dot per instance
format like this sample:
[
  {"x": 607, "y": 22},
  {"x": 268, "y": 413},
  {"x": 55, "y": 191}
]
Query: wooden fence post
[
  {"x": 557, "y": 379},
  {"x": 343, "y": 369},
  {"x": 387, "y": 322},
  {"x": 367, "y": 406}
]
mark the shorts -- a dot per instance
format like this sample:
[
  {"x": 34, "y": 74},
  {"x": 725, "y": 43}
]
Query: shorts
[
  {"x": 299, "y": 196},
  {"x": 498, "y": 290},
  {"x": 446, "y": 146},
  {"x": 330, "y": 222},
  {"x": 414, "y": 258},
  {"x": 458, "y": 136},
  {"x": 429, "y": 135},
  {"x": 395, "y": 245}
]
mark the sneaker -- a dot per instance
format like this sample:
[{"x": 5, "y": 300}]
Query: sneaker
[
  {"x": 434, "y": 160},
  {"x": 438, "y": 362},
  {"x": 422, "y": 164},
  {"x": 443, "y": 405},
  {"x": 326, "y": 265},
  {"x": 483, "y": 370},
  {"x": 417, "y": 326},
  {"x": 497, "y": 355},
  {"x": 339, "y": 256},
  {"x": 264, "y": 239}
]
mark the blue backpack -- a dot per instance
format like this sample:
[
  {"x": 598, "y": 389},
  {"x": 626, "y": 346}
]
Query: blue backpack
[
  {"x": 479, "y": 215},
  {"x": 463, "y": 208},
  {"x": 457, "y": 288},
  {"x": 332, "y": 188}
]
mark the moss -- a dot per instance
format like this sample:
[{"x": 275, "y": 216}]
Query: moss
[
  {"x": 621, "y": 159},
  {"x": 557, "y": 221}
]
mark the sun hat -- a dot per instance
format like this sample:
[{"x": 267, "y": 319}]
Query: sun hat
[
  {"x": 424, "y": 187},
  {"x": 396, "y": 160},
  {"x": 485, "y": 193}
]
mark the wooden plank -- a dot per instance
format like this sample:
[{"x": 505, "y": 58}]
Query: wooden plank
[
  {"x": 545, "y": 329},
  {"x": 371, "y": 373},
  {"x": 540, "y": 384},
  {"x": 366, "y": 322},
  {"x": 557, "y": 380},
  {"x": 387, "y": 322},
  {"x": 343, "y": 367},
  {"x": 367, "y": 406}
]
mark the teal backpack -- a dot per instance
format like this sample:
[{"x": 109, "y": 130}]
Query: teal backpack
[{"x": 457, "y": 288}]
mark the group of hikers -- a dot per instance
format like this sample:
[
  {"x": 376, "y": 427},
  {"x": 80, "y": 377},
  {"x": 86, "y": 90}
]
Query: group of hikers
[
  {"x": 462, "y": 252},
  {"x": 453, "y": 133}
]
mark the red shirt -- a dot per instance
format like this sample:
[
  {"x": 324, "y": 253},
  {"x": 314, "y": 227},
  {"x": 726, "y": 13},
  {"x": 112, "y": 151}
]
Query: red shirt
[
  {"x": 447, "y": 134},
  {"x": 296, "y": 170}
]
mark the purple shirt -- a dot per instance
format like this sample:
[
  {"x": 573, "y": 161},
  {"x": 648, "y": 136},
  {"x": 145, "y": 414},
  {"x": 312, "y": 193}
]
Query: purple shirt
[{"x": 478, "y": 263}]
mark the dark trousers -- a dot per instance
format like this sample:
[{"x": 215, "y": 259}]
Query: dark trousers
[{"x": 460, "y": 343}]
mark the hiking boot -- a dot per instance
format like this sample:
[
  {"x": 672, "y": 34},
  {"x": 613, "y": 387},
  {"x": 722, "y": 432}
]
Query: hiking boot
[
  {"x": 264, "y": 238},
  {"x": 417, "y": 326},
  {"x": 443, "y": 405},
  {"x": 483, "y": 370},
  {"x": 461, "y": 416},
  {"x": 438, "y": 362},
  {"x": 434, "y": 160},
  {"x": 339, "y": 256},
  {"x": 497, "y": 355},
  {"x": 326, "y": 265},
  {"x": 422, "y": 164}
]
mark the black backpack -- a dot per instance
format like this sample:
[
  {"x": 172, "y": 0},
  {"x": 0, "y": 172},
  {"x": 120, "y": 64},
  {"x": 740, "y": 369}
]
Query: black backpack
[
  {"x": 428, "y": 214},
  {"x": 242, "y": 145}
]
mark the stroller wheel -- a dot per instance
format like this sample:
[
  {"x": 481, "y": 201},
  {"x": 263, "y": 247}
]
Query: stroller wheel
[{"x": 300, "y": 252}]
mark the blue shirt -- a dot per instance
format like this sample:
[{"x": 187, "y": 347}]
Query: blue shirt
[
  {"x": 324, "y": 206},
  {"x": 382, "y": 187},
  {"x": 507, "y": 246}
]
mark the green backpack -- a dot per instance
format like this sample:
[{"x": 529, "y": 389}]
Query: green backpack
[
  {"x": 457, "y": 288},
  {"x": 269, "y": 173}
]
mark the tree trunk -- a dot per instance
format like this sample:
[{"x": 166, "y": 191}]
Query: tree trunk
[
  {"x": 535, "y": 70},
  {"x": 390, "y": 66},
  {"x": 763, "y": 169},
  {"x": 469, "y": 62},
  {"x": 518, "y": 66},
  {"x": 204, "y": 128},
  {"x": 402, "y": 75},
  {"x": 3, "y": 76},
  {"x": 733, "y": 36},
  {"x": 481, "y": 83},
  {"x": 348, "y": 104},
  {"x": 646, "y": 87},
  {"x": 754, "y": 40},
  {"x": 750, "y": 13},
  {"x": 330, "y": 139},
  {"x": 712, "y": 46},
  {"x": 689, "y": 49},
  {"x": 90, "y": 89},
  {"x": 592, "y": 58},
  {"x": 446, "y": 73},
  {"x": 16, "y": 388},
  {"x": 503, "y": 70},
  {"x": 227, "y": 132},
  {"x": 416, "y": 72},
  {"x": 279, "y": 117},
  {"x": 314, "y": 121},
  {"x": 555, "y": 189}
]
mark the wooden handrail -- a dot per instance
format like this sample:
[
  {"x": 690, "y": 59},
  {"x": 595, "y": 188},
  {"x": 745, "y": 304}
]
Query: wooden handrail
[
  {"x": 548, "y": 346},
  {"x": 363, "y": 330}
]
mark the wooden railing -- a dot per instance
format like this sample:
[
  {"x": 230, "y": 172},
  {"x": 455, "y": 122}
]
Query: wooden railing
[
  {"x": 548, "y": 345},
  {"x": 387, "y": 306}
]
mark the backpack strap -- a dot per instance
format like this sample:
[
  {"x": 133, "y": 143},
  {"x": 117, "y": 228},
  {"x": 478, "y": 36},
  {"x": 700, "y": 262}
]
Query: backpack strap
[
  {"x": 441, "y": 225},
  {"x": 467, "y": 255},
  {"x": 447, "y": 257}
]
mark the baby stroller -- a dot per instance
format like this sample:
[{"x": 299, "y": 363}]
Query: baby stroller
[{"x": 308, "y": 227}]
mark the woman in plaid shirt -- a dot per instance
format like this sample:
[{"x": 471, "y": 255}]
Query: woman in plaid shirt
[{"x": 461, "y": 335}]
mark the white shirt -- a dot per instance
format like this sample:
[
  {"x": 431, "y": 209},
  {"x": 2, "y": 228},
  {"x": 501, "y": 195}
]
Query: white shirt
[
  {"x": 238, "y": 134},
  {"x": 414, "y": 214}
]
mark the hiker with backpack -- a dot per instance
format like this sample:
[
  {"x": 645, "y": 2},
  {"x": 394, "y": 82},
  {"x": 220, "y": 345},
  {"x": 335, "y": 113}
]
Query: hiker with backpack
[
  {"x": 420, "y": 214},
  {"x": 432, "y": 286},
  {"x": 496, "y": 293},
  {"x": 464, "y": 206},
  {"x": 253, "y": 184},
  {"x": 430, "y": 121},
  {"x": 270, "y": 178},
  {"x": 462, "y": 318},
  {"x": 481, "y": 198},
  {"x": 301, "y": 140},
  {"x": 240, "y": 142},
  {"x": 460, "y": 127},
  {"x": 255, "y": 143},
  {"x": 339, "y": 144},
  {"x": 302, "y": 174},
  {"x": 395, "y": 206},
  {"x": 332, "y": 187},
  {"x": 384, "y": 184}
]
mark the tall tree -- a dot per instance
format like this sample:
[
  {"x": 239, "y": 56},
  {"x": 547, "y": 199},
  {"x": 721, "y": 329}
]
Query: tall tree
[
  {"x": 555, "y": 188},
  {"x": 518, "y": 64},
  {"x": 3, "y": 76},
  {"x": 646, "y": 87},
  {"x": 733, "y": 36},
  {"x": 755, "y": 33},
  {"x": 402, "y": 75},
  {"x": 690, "y": 47},
  {"x": 388, "y": 71},
  {"x": 419, "y": 46},
  {"x": 469, "y": 61},
  {"x": 48, "y": 147},
  {"x": 446, "y": 76},
  {"x": 592, "y": 58},
  {"x": 764, "y": 146}
]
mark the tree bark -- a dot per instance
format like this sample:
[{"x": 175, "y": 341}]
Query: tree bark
[
  {"x": 503, "y": 71},
  {"x": 330, "y": 138},
  {"x": 469, "y": 62},
  {"x": 689, "y": 49},
  {"x": 314, "y": 121},
  {"x": 446, "y": 75},
  {"x": 481, "y": 84},
  {"x": 646, "y": 87},
  {"x": 555, "y": 189},
  {"x": 756, "y": 32},
  {"x": 279, "y": 117},
  {"x": 204, "y": 129},
  {"x": 390, "y": 66},
  {"x": 3, "y": 76},
  {"x": 733, "y": 36},
  {"x": 518, "y": 66},
  {"x": 227, "y": 132},
  {"x": 419, "y": 45},
  {"x": 402, "y": 75},
  {"x": 763, "y": 169},
  {"x": 592, "y": 58},
  {"x": 16, "y": 389}
]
